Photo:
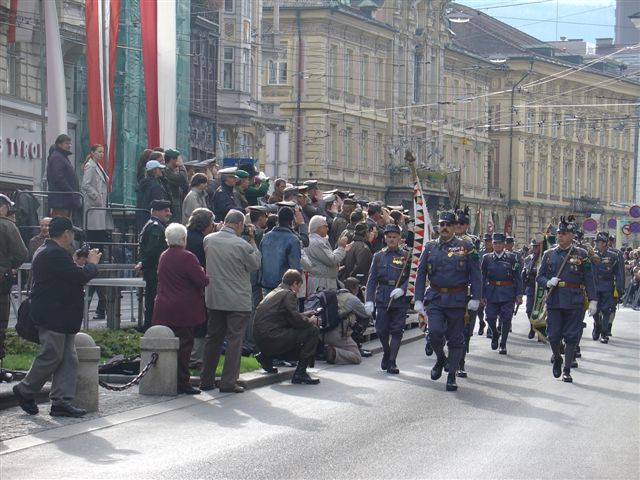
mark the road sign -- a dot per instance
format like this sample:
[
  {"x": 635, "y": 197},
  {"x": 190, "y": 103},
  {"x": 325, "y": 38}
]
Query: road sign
[
  {"x": 589, "y": 225},
  {"x": 634, "y": 227},
  {"x": 634, "y": 211},
  {"x": 611, "y": 223},
  {"x": 625, "y": 229}
]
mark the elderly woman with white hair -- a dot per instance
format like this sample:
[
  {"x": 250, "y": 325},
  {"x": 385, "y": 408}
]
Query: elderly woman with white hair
[
  {"x": 323, "y": 262},
  {"x": 179, "y": 298}
]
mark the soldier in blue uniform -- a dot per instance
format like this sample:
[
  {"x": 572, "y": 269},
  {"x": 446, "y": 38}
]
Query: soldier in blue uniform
[
  {"x": 565, "y": 269},
  {"x": 529, "y": 273},
  {"x": 461, "y": 228},
  {"x": 501, "y": 290},
  {"x": 451, "y": 264},
  {"x": 223, "y": 199},
  {"x": 386, "y": 289},
  {"x": 487, "y": 247},
  {"x": 609, "y": 276},
  {"x": 151, "y": 244},
  {"x": 612, "y": 246}
]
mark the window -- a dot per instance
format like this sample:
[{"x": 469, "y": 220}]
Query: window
[
  {"x": 348, "y": 160},
  {"x": 568, "y": 126},
  {"x": 402, "y": 78},
  {"x": 528, "y": 174},
  {"x": 333, "y": 67},
  {"x": 555, "y": 125},
  {"x": 223, "y": 144},
  {"x": 566, "y": 173},
  {"x": 246, "y": 145},
  {"x": 603, "y": 134},
  {"x": 530, "y": 120},
  {"x": 542, "y": 123},
  {"x": 379, "y": 79},
  {"x": 364, "y": 151},
  {"x": 614, "y": 185},
  {"x": 417, "y": 76},
  {"x": 542, "y": 175},
  {"x": 590, "y": 173},
  {"x": 379, "y": 152},
  {"x": 553, "y": 180},
  {"x": 623, "y": 185},
  {"x": 227, "y": 68},
  {"x": 364, "y": 76},
  {"x": 603, "y": 182},
  {"x": 348, "y": 71},
  {"x": 333, "y": 140},
  {"x": 578, "y": 180},
  {"x": 246, "y": 70},
  {"x": 277, "y": 72},
  {"x": 228, "y": 5}
]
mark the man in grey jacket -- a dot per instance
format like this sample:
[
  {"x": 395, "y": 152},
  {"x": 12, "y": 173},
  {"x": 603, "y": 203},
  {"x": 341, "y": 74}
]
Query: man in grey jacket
[{"x": 230, "y": 261}]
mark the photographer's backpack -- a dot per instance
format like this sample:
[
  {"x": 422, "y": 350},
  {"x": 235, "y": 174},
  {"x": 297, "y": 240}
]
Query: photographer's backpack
[{"x": 328, "y": 301}]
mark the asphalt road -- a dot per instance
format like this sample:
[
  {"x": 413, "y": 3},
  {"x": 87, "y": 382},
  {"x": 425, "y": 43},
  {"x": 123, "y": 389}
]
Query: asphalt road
[{"x": 509, "y": 419}]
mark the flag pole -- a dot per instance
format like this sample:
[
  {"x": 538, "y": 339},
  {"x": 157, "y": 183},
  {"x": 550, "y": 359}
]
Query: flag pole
[{"x": 43, "y": 102}]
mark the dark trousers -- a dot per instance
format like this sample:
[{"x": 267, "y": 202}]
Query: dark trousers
[
  {"x": 149, "y": 297},
  {"x": 564, "y": 324},
  {"x": 5, "y": 307},
  {"x": 504, "y": 312},
  {"x": 223, "y": 324},
  {"x": 185, "y": 335},
  {"x": 446, "y": 323}
]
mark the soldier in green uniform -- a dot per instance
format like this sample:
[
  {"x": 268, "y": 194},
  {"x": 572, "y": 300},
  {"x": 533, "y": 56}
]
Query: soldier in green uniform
[{"x": 152, "y": 244}]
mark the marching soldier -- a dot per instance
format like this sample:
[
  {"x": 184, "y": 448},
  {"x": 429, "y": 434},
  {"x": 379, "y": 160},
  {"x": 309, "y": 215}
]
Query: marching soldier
[
  {"x": 451, "y": 265},
  {"x": 529, "y": 273},
  {"x": 564, "y": 270},
  {"x": 501, "y": 290},
  {"x": 609, "y": 277},
  {"x": 152, "y": 244},
  {"x": 386, "y": 289},
  {"x": 612, "y": 246},
  {"x": 461, "y": 228},
  {"x": 487, "y": 247}
]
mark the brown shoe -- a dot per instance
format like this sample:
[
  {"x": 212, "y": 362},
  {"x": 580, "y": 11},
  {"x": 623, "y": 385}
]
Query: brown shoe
[
  {"x": 232, "y": 389},
  {"x": 330, "y": 353}
]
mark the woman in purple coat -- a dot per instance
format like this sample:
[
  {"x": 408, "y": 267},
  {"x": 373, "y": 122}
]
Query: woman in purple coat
[{"x": 179, "y": 298}]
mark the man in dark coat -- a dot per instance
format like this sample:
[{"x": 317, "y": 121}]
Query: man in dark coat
[
  {"x": 223, "y": 200},
  {"x": 281, "y": 330},
  {"x": 357, "y": 261},
  {"x": 177, "y": 180},
  {"x": 61, "y": 177},
  {"x": 56, "y": 308}
]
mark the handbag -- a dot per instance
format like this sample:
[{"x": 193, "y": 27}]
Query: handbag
[{"x": 24, "y": 324}]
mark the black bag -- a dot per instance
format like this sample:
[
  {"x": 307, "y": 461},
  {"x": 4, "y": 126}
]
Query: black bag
[
  {"x": 327, "y": 300},
  {"x": 24, "y": 324}
]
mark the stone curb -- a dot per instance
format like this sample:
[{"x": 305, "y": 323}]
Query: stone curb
[{"x": 255, "y": 379}]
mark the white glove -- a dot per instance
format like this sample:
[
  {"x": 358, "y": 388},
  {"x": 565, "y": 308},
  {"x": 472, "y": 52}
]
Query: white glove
[
  {"x": 553, "y": 282},
  {"x": 396, "y": 293},
  {"x": 419, "y": 307},
  {"x": 473, "y": 305},
  {"x": 368, "y": 307},
  {"x": 593, "y": 307}
]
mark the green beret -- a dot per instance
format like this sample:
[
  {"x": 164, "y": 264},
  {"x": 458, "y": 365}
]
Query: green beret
[
  {"x": 242, "y": 173},
  {"x": 171, "y": 153}
]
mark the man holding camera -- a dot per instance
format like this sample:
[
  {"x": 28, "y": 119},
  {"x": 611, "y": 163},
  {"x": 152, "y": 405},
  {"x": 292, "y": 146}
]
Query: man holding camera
[
  {"x": 230, "y": 261},
  {"x": 12, "y": 253}
]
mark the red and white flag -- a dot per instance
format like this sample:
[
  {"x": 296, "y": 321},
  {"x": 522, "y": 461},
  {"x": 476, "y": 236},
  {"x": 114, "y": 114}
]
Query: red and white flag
[
  {"x": 102, "y": 17},
  {"x": 423, "y": 233},
  {"x": 158, "y": 26}
]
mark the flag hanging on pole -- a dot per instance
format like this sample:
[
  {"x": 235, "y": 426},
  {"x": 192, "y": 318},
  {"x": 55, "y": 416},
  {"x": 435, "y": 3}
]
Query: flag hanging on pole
[
  {"x": 56, "y": 89},
  {"x": 158, "y": 26},
  {"x": 102, "y": 19}
]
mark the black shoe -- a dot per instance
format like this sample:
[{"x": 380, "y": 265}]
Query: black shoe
[
  {"x": 489, "y": 334},
  {"x": 578, "y": 354},
  {"x": 446, "y": 366},
  {"x": 574, "y": 363},
  {"x": 232, "y": 389},
  {"x": 566, "y": 377},
  {"x": 481, "y": 330},
  {"x": 206, "y": 388},
  {"x": 452, "y": 386},
  {"x": 67, "y": 410},
  {"x": 266, "y": 363},
  {"x": 305, "y": 379},
  {"x": 5, "y": 376},
  {"x": 502, "y": 351},
  {"x": 532, "y": 333},
  {"x": 189, "y": 390},
  {"x": 436, "y": 371},
  {"x": 27, "y": 404},
  {"x": 384, "y": 363},
  {"x": 393, "y": 368},
  {"x": 461, "y": 373},
  {"x": 553, "y": 358},
  {"x": 99, "y": 315},
  {"x": 428, "y": 349},
  {"x": 557, "y": 368},
  {"x": 604, "y": 339},
  {"x": 595, "y": 334},
  {"x": 365, "y": 353},
  {"x": 494, "y": 342}
]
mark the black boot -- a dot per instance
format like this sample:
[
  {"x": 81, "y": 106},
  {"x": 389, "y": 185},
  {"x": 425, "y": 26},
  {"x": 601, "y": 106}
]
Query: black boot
[
  {"x": 384, "y": 341},
  {"x": 503, "y": 339},
  {"x": 394, "y": 347},
  {"x": 452, "y": 386},
  {"x": 266, "y": 363},
  {"x": 436, "y": 371},
  {"x": 301, "y": 375},
  {"x": 461, "y": 372},
  {"x": 495, "y": 336},
  {"x": 566, "y": 376},
  {"x": 569, "y": 356},
  {"x": 532, "y": 333},
  {"x": 428, "y": 349},
  {"x": 557, "y": 359}
]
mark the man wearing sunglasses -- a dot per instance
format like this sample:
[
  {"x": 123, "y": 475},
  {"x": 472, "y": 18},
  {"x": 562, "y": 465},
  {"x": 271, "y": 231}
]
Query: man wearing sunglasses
[
  {"x": 452, "y": 266},
  {"x": 565, "y": 270}
]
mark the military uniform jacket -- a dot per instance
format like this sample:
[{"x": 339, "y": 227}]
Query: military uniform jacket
[
  {"x": 448, "y": 265},
  {"x": 501, "y": 280},
  {"x": 608, "y": 272},
  {"x": 577, "y": 272},
  {"x": 529, "y": 275},
  {"x": 152, "y": 244},
  {"x": 385, "y": 270},
  {"x": 223, "y": 201}
]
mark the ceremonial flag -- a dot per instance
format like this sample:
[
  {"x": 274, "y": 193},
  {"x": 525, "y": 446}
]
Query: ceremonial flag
[
  {"x": 102, "y": 19},
  {"x": 56, "y": 90},
  {"x": 423, "y": 232},
  {"x": 158, "y": 26}
]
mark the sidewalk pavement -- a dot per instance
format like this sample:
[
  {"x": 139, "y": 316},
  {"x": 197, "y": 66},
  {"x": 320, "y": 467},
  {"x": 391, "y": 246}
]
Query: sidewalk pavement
[{"x": 15, "y": 423}]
